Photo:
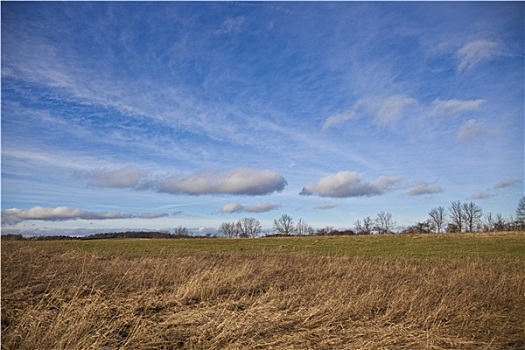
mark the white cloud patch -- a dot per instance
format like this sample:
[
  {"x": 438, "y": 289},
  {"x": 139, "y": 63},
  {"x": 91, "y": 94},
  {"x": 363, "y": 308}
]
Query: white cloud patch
[
  {"x": 235, "y": 207},
  {"x": 454, "y": 106},
  {"x": 424, "y": 188},
  {"x": 385, "y": 111},
  {"x": 482, "y": 195},
  {"x": 14, "y": 215},
  {"x": 325, "y": 206},
  {"x": 389, "y": 110},
  {"x": 152, "y": 215},
  {"x": 506, "y": 183},
  {"x": 475, "y": 52},
  {"x": 473, "y": 129},
  {"x": 240, "y": 181},
  {"x": 349, "y": 184}
]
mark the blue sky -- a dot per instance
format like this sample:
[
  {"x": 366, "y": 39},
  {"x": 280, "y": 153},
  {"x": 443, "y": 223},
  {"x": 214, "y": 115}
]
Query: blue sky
[{"x": 138, "y": 115}]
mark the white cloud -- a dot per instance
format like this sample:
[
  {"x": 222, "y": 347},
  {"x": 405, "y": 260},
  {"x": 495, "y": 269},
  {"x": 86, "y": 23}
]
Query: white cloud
[
  {"x": 235, "y": 207},
  {"x": 476, "y": 52},
  {"x": 482, "y": 195},
  {"x": 454, "y": 106},
  {"x": 15, "y": 215},
  {"x": 244, "y": 181},
  {"x": 349, "y": 184},
  {"x": 471, "y": 129},
  {"x": 385, "y": 111},
  {"x": 423, "y": 189},
  {"x": 389, "y": 110},
  {"x": 325, "y": 206},
  {"x": 152, "y": 215},
  {"x": 338, "y": 119},
  {"x": 506, "y": 183}
]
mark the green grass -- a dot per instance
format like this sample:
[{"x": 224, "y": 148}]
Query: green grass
[{"x": 433, "y": 246}]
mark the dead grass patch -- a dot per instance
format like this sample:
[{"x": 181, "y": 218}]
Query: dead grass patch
[{"x": 97, "y": 300}]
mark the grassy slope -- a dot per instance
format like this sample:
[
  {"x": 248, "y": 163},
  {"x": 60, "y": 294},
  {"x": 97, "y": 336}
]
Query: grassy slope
[
  {"x": 486, "y": 246},
  {"x": 396, "y": 292}
]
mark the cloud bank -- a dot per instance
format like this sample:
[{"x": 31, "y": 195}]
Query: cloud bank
[
  {"x": 235, "y": 207},
  {"x": 14, "y": 215},
  {"x": 240, "y": 181},
  {"x": 349, "y": 184}
]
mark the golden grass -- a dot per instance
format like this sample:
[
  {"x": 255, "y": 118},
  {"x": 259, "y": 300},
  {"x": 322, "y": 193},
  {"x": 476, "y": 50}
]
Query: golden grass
[{"x": 74, "y": 299}]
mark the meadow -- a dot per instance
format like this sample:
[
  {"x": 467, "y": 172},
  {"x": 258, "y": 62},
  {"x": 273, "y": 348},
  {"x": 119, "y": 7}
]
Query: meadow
[{"x": 449, "y": 291}]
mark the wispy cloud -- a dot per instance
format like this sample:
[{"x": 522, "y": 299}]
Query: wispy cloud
[
  {"x": 476, "y": 52},
  {"x": 126, "y": 177},
  {"x": 235, "y": 207},
  {"x": 507, "y": 183},
  {"x": 454, "y": 106},
  {"x": 383, "y": 110},
  {"x": 473, "y": 128},
  {"x": 350, "y": 184}
]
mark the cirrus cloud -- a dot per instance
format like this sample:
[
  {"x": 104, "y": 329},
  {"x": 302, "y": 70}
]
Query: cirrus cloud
[
  {"x": 349, "y": 184},
  {"x": 454, "y": 106}
]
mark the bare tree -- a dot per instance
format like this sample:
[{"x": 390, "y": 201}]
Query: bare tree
[
  {"x": 368, "y": 225},
  {"x": 500, "y": 224},
  {"x": 229, "y": 229},
  {"x": 456, "y": 217},
  {"x": 181, "y": 231},
  {"x": 302, "y": 228},
  {"x": 284, "y": 225},
  {"x": 520, "y": 214},
  {"x": 248, "y": 227},
  {"x": 489, "y": 223},
  {"x": 437, "y": 217},
  {"x": 471, "y": 216},
  {"x": 384, "y": 222}
]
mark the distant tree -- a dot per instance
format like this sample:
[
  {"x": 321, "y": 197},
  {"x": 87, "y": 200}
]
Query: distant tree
[
  {"x": 368, "y": 225},
  {"x": 229, "y": 229},
  {"x": 284, "y": 225},
  {"x": 302, "y": 228},
  {"x": 471, "y": 216},
  {"x": 181, "y": 231},
  {"x": 384, "y": 223},
  {"x": 419, "y": 227},
  {"x": 437, "y": 217},
  {"x": 325, "y": 231},
  {"x": 520, "y": 214},
  {"x": 489, "y": 224},
  {"x": 456, "y": 217},
  {"x": 500, "y": 224},
  {"x": 248, "y": 227}
]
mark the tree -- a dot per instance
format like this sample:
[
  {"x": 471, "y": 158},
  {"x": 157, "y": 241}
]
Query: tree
[
  {"x": 520, "y": 214},
  {"x": 181, "y": 231},
  {"x": 302, "y": 228},
  {"x": 471, "y": 216},
  {"x": 489, "y": 225},
  {"x": 437, "y": 217},
  {"x": 229, "y": 229},
  {"x": 456, "y": 217},
  {"x": 284, "y": 225},
  {"x": 384, "y": 223},
  {"x": 500, "y": 224},
  {"x": 248, "y": 227}
]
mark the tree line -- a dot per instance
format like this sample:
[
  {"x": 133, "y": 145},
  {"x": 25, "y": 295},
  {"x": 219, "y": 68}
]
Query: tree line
[{"x": 458, "y": 217}]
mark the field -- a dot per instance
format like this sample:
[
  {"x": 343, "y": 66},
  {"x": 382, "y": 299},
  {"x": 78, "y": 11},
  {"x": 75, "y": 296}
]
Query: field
[{"x": 360, "y": 292}]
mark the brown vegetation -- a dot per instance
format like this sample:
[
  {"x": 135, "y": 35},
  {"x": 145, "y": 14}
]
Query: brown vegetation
[{"x": 71, "y": 299}]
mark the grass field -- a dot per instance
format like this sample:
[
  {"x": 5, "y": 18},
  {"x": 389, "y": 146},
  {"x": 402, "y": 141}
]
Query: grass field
[{"x": 359, "y": 292}]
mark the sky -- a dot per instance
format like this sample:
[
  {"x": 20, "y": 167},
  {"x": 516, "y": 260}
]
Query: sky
[{"x": 154, "y": 115}]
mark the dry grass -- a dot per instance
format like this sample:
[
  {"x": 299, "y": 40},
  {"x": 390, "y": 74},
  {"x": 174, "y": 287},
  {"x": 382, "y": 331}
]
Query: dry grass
[{"x": 71, "y": 299}]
